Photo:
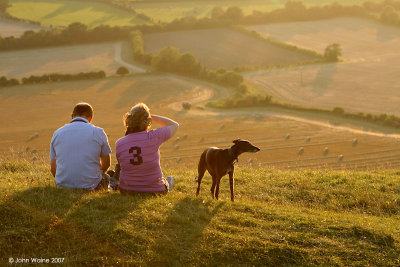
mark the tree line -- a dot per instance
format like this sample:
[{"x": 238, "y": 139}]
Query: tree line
[
  {"x": 170, "y": 59},
  {"x": 53, "y": 77},
  {"x": 75, "y": 33},
  {"x": 292, "y": 11},
  {"x": 250, "y": 100}
]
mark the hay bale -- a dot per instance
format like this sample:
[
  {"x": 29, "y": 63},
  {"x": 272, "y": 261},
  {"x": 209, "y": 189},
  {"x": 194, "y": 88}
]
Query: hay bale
[
  {"x": 177, "y": 139},
  {"x": 184, "y": 137},
  {"x": 326, "y": 151},
  {"x": 308, "y": 139},
  {"x": 176, "y": 147},
  {"x": 287, "y": 136},
  {"x": 340, "y": 157},
  {"x": 179, "y": 159},
  {"x": 301, "y": 151}
]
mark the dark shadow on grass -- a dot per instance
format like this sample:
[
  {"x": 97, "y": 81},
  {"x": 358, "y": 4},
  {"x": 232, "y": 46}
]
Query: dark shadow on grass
[{"x": 182, "y": 231}]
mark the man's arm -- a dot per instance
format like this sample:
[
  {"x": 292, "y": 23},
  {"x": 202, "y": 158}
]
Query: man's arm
[
  {"x": 105, "y": 162},
  {"x": 53, "y": 167},
  {"x": 172, "y": 125}
]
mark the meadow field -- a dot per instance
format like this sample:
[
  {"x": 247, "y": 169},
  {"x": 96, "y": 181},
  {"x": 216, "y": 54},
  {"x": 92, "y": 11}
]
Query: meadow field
[
  {"x": 167, "y": 11},
  {"x": 65, "y": 59},
  {"x": 223, "y": 48},
  {"x": 366, "y": 80},
  {"x": 64, "y": 12},
  {"x": 15, "y": 28}
]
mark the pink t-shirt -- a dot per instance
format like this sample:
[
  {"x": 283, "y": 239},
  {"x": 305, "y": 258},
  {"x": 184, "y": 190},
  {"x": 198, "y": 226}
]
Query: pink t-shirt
[{"x": 139, "y": 157}]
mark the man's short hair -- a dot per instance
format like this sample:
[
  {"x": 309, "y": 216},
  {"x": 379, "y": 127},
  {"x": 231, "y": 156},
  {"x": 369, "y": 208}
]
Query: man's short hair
[{"x": 83, "y": 109}]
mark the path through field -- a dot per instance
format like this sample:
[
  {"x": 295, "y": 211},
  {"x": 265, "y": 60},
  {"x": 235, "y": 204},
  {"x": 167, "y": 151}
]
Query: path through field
[{"x": 118, "y": 59}]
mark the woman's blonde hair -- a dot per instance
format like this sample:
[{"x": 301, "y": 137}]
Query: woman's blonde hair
[{"x": 138, "y": 119}]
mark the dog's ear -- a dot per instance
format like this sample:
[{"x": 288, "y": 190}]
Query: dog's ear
[{"x": 237, "y": 141}]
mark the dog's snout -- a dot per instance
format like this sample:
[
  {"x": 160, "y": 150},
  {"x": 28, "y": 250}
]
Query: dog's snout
[{"x": 256, "y": 149}]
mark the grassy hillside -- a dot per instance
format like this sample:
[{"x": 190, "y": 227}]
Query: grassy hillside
[
  {"x": 64, "y": 12},
  {"x": 304, "y": 218}
]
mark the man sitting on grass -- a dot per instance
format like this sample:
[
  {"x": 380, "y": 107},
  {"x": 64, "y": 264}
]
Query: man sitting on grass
[{"x": 80, "y": 153}]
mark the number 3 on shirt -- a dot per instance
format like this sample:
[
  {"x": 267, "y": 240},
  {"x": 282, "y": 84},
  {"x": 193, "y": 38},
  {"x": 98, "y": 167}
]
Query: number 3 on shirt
[{"x": 137, "y": 159}]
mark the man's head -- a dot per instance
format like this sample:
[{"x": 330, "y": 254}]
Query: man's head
[{"x": 83, "y": 110}]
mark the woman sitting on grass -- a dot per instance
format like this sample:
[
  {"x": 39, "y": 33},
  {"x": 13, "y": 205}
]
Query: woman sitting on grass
[{"x": 138, "y": 152}]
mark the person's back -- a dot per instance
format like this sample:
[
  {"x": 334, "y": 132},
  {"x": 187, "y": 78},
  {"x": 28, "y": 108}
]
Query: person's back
[
  {"x": 79, "y": 153},
  {"x": 139, "y": 158},
  {"x": 138, "y": 152}
]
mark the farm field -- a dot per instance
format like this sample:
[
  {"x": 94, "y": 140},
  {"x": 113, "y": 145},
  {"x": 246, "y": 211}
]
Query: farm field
[
  {"x": 112, "y": 97},
  {"x": 167, "y": 11},
  {"x": 65, "y": 59},
  {"x": 216, "y": 48},
  {"x": 65, "y": 12},
  {"x": 15, "y": 28},
  {"x": 366, "y": 80}
]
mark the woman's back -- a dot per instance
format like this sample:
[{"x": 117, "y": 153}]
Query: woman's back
[{"x": 139, "y": 157}]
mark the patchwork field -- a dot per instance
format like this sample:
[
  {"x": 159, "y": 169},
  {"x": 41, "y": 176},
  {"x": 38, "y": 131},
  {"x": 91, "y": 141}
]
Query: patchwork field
[
  {"x": 366, "y": 81},
  {"x": 216, "y": 48},
  {"x": 112, "y": 97},
  {"x": 66, "y": 59},
  {"x": 15, "y": 28},
  {"x": 65, "y": 12}
]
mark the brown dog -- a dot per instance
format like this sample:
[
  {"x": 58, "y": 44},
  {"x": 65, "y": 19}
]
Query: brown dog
[{"x": 219, "y": 162}]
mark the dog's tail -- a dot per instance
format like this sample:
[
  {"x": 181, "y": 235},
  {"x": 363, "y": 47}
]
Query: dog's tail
[{"x": 201, "y": 169}]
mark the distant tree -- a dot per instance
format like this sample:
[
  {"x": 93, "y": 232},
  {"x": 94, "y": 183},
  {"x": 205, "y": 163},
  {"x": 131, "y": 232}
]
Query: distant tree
[
  {"x": 217, "y": 12},
  {"x": 234, "y": 14},
  {"x": 4, "y": 4},
  {"x": 166, "y": 59},
  {"x": 188, "y": 64},
  {"x": 338, "y": 110},
  {"x": 122, "y": 71},
  {"x": 295, "y": 7},
  {"x": 333, "y": 52},
  {"x": 389, "y": 15}
]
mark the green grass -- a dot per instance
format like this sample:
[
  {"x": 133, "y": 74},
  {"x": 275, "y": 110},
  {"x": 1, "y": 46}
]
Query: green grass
[
  {"x": 64, "y": 12},
  {"x": 168, "y": 11},
  {"x": 307, "y": 218}
]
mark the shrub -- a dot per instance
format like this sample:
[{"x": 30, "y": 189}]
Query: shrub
[
  {"x": 122, "y": 71},
  {"x": 333, "y": 52}
]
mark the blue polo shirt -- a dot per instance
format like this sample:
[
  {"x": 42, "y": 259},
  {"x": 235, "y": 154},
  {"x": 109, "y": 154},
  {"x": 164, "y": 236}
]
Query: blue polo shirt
[{"x": 77, "y": 147}]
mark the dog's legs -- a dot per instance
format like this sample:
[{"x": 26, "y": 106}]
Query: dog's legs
[
  {"x": 214, "y": 182},
  {"x": 201, "y": 170},
  {"x": 217, "y": 188},
  {"x": 231, "y": 184}
]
